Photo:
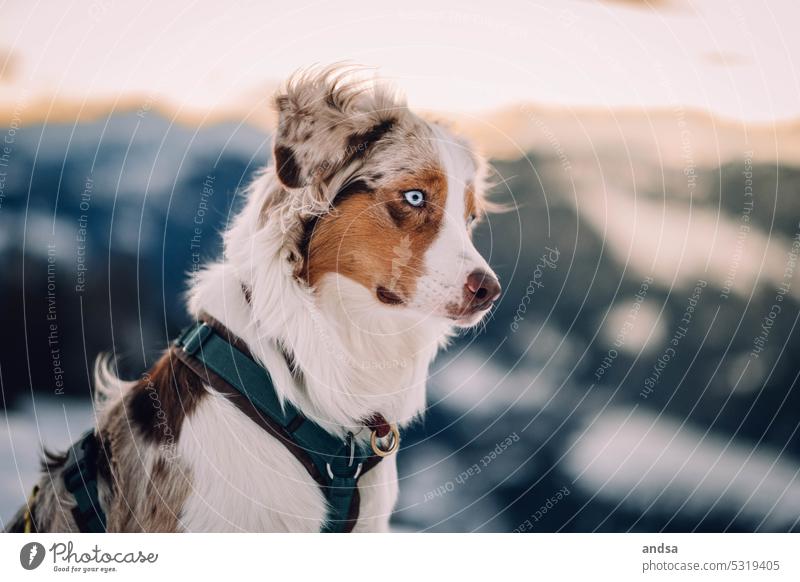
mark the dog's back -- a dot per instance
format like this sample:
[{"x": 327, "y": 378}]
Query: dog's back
[
  {"x": 50, "y": 509},
  {"x": 141, "y": 484}
]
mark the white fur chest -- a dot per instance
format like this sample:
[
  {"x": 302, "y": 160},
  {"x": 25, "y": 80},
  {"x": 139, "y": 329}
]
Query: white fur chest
[{"x": 245, "y": 480}]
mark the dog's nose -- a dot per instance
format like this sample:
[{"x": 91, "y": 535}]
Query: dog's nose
[{"x": 482, "y": 289}]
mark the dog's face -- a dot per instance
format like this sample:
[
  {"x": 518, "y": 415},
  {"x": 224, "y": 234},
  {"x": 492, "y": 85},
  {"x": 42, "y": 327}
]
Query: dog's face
[{"x": 403, "y": 196}]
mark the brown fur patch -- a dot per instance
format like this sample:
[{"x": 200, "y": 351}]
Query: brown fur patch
[
  {"x": 376, "y": 238},
  {"x": 164, "y": 396},
  {"x": 358, "y": 143},
  {"x": 286, "y": 166},
  {"x": 150, "y": 482}
]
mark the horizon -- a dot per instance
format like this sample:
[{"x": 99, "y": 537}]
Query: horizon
[{"x": 573, "y": 57}]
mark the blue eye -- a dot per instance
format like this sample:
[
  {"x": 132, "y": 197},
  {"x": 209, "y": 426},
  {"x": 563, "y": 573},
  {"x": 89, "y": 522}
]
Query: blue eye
[{"x": 414, "y": 197}]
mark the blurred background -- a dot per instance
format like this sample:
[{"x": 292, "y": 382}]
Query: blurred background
[{"x": 640, "y": 372}]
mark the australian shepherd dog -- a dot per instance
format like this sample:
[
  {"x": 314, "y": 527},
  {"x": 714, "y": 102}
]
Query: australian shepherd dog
[{"x": 350, "y": 264}]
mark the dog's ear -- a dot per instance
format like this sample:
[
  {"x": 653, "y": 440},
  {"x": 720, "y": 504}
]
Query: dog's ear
[{"x": 326, "y": 122}]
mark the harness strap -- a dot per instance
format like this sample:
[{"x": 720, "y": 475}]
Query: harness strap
[
  {"x": 222, "y": 361},
  {"x": 27, "y": 519},
  {"x": 80, "y": 479}
]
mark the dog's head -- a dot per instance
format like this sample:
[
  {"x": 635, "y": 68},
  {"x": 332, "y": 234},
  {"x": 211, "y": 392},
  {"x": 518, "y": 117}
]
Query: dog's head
[{"x": 392, "y": 199}]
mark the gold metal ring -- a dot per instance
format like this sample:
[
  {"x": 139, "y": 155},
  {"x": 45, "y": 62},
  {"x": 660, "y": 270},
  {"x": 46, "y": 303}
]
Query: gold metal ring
[{"x": 394, "y": 442}]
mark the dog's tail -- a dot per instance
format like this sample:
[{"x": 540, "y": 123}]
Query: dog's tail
[
  {"x": 44, "y": 511},
  {"x": 109, "y": 388}
]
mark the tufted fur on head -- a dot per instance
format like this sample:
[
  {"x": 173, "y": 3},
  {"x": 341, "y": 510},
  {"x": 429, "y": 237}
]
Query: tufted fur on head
[{"x": 327, "y": 120}]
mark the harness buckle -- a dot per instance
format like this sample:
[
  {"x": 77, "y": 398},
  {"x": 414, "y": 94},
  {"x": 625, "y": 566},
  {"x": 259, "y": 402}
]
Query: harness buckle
[
  {"x": 194, "y": 339},
  {"x": 355, "y": 475},
  {"x": 351, "y": 445}
]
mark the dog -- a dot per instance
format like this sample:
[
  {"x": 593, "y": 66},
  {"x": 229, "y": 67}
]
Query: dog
[{"x": 349, "y": 266}]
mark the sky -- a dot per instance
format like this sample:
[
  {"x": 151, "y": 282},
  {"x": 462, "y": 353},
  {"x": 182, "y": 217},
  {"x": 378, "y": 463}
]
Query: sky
[{"x": 735, "y": 58}]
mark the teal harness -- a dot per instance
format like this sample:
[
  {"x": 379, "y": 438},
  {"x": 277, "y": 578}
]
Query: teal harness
[{"x": 221, "y": 361}]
